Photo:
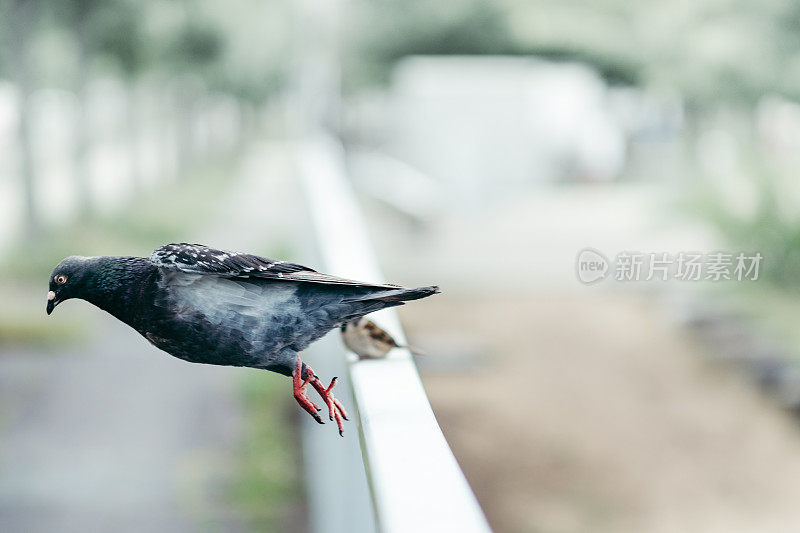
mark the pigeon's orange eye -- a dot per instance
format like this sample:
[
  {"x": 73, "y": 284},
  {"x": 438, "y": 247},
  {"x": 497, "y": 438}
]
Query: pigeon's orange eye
[{"x": 61, "y": 279}]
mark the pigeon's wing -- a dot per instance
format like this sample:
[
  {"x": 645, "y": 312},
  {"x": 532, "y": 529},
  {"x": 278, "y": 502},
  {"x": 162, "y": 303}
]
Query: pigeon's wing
[{"x": 200, "y": 259}]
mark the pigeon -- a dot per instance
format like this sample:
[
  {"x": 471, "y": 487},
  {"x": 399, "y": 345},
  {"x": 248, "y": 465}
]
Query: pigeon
[
  {"x": 367, "y": 340},
  {"x": 217, "y": 307}
]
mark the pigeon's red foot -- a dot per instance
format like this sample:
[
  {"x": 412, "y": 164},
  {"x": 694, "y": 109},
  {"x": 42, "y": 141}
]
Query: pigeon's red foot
[
  {"x": 335, "y": 408},
  {"x": 299, "y": 389}
]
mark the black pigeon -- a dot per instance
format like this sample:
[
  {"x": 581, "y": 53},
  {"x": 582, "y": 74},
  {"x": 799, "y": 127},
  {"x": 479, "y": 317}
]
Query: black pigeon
[{"x": 227, "y": 308}]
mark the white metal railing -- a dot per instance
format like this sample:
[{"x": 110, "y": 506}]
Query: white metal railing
[{"x": 404, "y": 471}]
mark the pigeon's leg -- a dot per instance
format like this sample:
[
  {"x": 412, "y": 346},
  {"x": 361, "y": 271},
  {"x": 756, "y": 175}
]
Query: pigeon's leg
[
  {"x": 299, "y": 388},
  {"x": 335, "y": 407}
]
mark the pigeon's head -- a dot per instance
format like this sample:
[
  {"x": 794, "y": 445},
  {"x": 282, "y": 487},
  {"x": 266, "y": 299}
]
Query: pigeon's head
[{"x": 68, "y": 280}]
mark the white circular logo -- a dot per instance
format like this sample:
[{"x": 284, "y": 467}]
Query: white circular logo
[{"x": 591, "y": 266}]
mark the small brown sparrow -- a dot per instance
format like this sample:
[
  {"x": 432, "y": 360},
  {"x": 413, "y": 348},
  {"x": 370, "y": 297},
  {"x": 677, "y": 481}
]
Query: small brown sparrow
[{"x": 368, "y": 341}]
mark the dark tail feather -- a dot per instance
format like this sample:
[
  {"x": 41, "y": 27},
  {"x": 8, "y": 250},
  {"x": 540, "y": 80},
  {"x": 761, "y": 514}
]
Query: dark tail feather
[
  {"x": 399, "y": 295},
  {"x": 381, "y": 299}
]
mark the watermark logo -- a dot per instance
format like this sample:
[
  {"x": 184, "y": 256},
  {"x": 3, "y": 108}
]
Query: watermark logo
[{"x": 592, "y": 266}]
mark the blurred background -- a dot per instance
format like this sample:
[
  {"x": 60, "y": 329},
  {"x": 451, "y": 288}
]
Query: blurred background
[{"x": 488, "y": 143}]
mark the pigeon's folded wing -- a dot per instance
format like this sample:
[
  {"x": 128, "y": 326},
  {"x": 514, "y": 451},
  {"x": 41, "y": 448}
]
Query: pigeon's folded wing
[{"x": 200, "y": 259}]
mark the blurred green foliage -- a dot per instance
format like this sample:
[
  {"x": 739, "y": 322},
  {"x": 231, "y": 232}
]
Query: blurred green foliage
[
  {"x": 118, "y": 34},
  {"x": 196, "y": 47},
  {"x": 393, "y": 30},
  {"x": 729, "y": 49},
  {"x": 721, "y": 49},
  {"x": 770, "y": 227},
  {"x": 239, "y": 46},
  {"x": 267, "y": 486}
]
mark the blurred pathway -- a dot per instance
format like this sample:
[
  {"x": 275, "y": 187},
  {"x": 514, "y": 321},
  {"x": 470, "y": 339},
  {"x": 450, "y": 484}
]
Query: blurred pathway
[
  {"x": 624, "y": 425},
  {"x": 119, "y": 436}
]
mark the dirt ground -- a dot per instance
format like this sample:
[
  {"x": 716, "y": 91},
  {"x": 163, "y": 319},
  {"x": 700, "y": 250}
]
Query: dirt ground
[{"x": 591, "y": 412}]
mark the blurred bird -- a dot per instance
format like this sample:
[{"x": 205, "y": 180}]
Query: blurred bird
[
  {"x": 227, "y": 308},
  {"x": 367, "y": 340}
]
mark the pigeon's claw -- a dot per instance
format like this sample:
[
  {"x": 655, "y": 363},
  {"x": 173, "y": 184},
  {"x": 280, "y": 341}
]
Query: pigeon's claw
[
  {"x": 335, "y": 408},
  {"x": 299, "y": 389}
]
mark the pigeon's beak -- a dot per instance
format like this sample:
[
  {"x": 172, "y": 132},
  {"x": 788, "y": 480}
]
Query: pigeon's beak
[{"x": 52, "y": 302}]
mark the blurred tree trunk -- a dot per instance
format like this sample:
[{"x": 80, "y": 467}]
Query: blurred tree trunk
[
  {"x": 185, "y": 97},
  {"x": 82, "y": 134},
  {"x": 248, "y": 122},
  {"x": 134, "y": 130},
  {"x": 20, "y": 28}
]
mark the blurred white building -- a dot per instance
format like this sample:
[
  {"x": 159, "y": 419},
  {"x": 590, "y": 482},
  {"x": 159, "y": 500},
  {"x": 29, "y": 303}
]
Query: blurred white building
[{"x": 484, "y": 124}]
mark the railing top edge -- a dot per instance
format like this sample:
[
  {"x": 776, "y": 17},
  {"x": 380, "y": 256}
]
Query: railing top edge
[{"x": 416, "y": 482}]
